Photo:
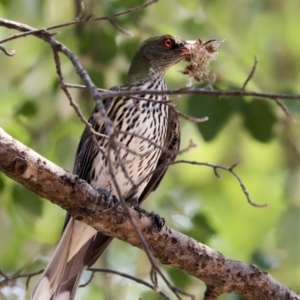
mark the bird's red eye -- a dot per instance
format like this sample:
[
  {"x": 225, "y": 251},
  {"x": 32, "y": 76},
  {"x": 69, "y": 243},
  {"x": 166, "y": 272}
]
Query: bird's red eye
[{"x": 168, "y": 43}]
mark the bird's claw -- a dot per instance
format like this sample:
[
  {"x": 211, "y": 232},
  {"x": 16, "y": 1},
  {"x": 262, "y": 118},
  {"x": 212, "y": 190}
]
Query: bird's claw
[
  {"x": 157, "y": 219},
  {"x": 95, "y": 208}
]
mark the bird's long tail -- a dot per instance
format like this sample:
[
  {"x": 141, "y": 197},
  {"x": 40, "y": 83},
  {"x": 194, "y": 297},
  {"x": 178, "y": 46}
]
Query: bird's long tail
[{"x": 79, "y": 247}]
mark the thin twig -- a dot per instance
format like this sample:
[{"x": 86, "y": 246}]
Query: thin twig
[
  {"x": 90, "y": 279},
  {"x": 164, "y": 102},
  {"x": 10, "y": 280},
  {"x": 191, "y": 119},
  {"x": 199, "y": 91},
  {"x": 129, "y": 11},
  {"x": 3, "y": 274},
  {"x": 47, "y": 37},
  {"x": 71, "y": 101},
  {"x": 187, "y": 91},
  {"x": 284, "y": 109},
  {"x": 80, "y": 12},
  {"x": 133, "y": 278},
  {"x": 91, "y": 18},
  {"x": 228, "y": 169},
  {"x": 251, "y": 73},
  {"x": 8, "y": 53},
  {"x": 114, "y": 23}
]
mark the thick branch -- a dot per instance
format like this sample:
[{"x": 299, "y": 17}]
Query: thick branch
[{"x": 221, "y": 274}]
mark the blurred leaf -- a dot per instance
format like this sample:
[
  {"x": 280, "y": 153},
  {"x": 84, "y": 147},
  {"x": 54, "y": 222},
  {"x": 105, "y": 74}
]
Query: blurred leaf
[
  {"x": 259, "y": 119},
  {"x": 2, "y": 184},
  {"x": 129, "y": 47},
  {"x": 262, "y": 261},
  {"x": 201, "y": 230},
  {"x": 151, "y": 295},
  {"x": 27, "y": 204},
  {"x": 98, "y": 44},
  {"x": 290, "y": 223},
  {"x": 97, "y": 77},
  {"x": 5, "y": 2},
  {"x": 217, "y": 110},
  {"x": 292, "y": 106},
  {"x": 179, "y": 278},
  {"x": 107, "y": 46},
  {"x": 117, "y": 6},
  {"x": 231, "y": 296},
  {"x": 27, "y": 108}
]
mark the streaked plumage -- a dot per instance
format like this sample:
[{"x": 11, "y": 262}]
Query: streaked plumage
[{"x": 81, "y": 245}]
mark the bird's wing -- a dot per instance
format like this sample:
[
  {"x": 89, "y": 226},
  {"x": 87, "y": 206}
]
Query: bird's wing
[
  {"x": 87, "y": 148},
  {"x": 172, "y": 144}
]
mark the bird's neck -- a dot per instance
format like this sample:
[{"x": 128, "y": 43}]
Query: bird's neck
[
  {"x": 153, "y": 81},
  {"x": 141, "y": 71}
]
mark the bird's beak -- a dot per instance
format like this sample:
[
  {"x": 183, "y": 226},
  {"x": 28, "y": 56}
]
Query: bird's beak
[{"x": 188, "y": 47}]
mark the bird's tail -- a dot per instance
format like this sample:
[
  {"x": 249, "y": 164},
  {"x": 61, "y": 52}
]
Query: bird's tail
[{"x": 79, "y": 247}]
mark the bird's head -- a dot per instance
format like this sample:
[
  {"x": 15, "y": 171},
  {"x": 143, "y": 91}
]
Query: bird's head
[{"x": 157, "y": 54}]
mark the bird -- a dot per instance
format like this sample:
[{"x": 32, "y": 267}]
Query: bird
[{"x": 147, "y": 139}]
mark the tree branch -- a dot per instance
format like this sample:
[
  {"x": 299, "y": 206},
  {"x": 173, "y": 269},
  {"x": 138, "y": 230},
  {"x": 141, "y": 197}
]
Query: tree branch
[{"x": 221, "y": 274}]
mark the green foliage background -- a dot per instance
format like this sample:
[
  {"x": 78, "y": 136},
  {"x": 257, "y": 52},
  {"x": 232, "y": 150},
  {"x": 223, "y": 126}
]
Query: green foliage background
[{"x": 192, "y": 199}]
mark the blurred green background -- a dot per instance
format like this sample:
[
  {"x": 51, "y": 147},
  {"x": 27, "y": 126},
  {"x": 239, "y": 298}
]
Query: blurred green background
[{"x": 191, "y": 198}]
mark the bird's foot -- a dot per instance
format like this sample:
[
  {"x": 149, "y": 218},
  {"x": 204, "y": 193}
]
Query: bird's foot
[
  {"x": 105, "y": 199},
  {"x": 157, "y": 219}
]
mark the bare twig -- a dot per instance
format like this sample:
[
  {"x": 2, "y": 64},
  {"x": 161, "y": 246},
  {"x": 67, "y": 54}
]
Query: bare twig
[
  {"x": 200, "y": 91},
  {"x": 191, "y": 119},
  {"x": 71, "y": 101},
  {"x": 8, "y": 53},
  {"x": 164, "y": 102},
  {"x": 3, "y": 274},
  {"x": 91, "y": 18},
  {"x": 114, "y": 23},
  {"x": 80, "y": 12},
  {"x": 284, "y": 109},
  {"x": 203, "y": 91},
  {"x": 250, "y": 74},
  {"x": 83, "y": 87},
  {"x": 89, "y": 280},
  {"x": 129, "y": 11},
  {"x": 47, "y": 37},
  {"x": 228, "y": 169},
  {"x": 10, "y": 280},
  {"x": 133, "y": 278}
]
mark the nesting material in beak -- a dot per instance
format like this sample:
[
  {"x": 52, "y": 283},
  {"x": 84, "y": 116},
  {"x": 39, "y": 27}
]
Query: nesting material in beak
[
  {"x": 187, "y": 49},
  {"x": 199, "y": 54}
]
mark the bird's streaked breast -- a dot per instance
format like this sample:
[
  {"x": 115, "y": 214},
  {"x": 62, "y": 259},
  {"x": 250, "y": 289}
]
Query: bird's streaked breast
[{"x": 141, "y": 126}]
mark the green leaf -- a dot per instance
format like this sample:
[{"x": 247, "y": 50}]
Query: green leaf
[
  {"x": 151, "y": 295},
  {"x": 27, "y": 204},
  {"x": 98, "y": 45},
  {"x": 288, "y": 235},
  {"x": 27, "y": 108},
  {"x": 201, "y": 230},
  {"x": 260, "y": 259},
  {"x": 179, "y": 278},
  {"x": 259, "y": 119},
  {"x": 2, "y": 184},
  {"x": 216, "y": 109}
]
